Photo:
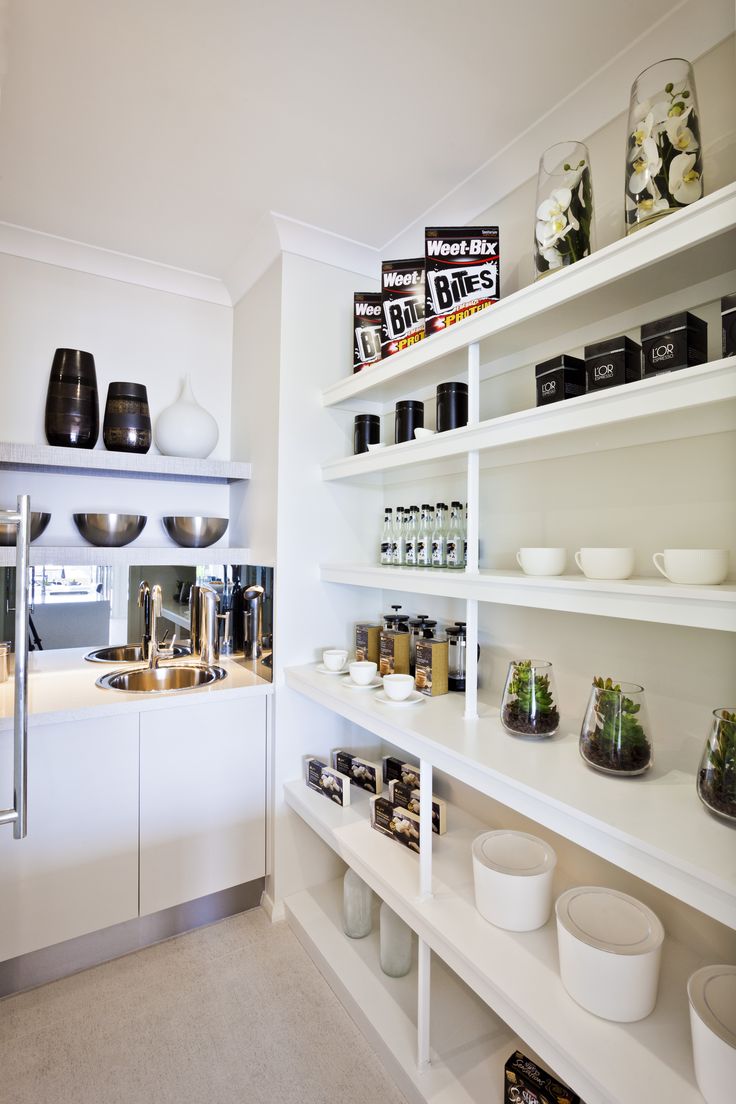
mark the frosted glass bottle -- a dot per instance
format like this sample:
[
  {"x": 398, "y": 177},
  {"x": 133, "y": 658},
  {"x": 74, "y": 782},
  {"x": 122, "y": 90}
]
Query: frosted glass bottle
[
  {"x": 357, "y": 906},
  {"x": 396, "y": 943}
]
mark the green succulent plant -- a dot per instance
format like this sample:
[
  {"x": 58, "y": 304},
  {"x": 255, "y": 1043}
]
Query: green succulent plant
[
  {"x": 618, "y": 738},
  {"x": 719, "y": 775},
  {"x": 531, "y": 690}
]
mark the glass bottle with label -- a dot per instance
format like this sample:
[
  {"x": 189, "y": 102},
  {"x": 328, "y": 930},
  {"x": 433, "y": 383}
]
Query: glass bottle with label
[
  {"x": 399, "y": 549},
  {"x": 412, "y": 534},
  {"x": 424, "y": 537},
  {"x": 439, "y": 537},
  {"x": 465, "y": 538},
  {"x": 455, "y": 538},
  {"x": 387, "y": 538}
]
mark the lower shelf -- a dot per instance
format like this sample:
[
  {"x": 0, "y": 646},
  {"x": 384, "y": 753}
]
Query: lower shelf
[{"x": 82, "y": 555}]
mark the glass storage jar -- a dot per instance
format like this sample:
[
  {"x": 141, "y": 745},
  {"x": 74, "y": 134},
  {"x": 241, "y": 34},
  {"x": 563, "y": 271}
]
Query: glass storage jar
[
  {"x": 717, "y": 774},
  {"x": 357, "y": 906},
  {"x": 615, "y": 734},
  {"x": 529, "y": 704}
]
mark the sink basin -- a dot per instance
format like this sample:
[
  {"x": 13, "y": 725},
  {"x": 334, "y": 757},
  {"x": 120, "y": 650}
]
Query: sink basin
[
  {"x": 159, "y": 680},
  {"x": 129, "y": 653}
]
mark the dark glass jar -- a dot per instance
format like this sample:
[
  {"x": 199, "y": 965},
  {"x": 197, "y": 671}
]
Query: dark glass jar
[
  {"x": 409, "y": 416},
  {"x": 367, "y": 432},
  {"x": 452, "y": 406},
  {"x": 72, "y": 408},
  {"x": 127, "y": 424}
]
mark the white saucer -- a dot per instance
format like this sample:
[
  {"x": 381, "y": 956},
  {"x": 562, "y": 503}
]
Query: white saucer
[
  {"x": 326, "y": 671},
  {"x": 420, "y": 434},
  {"x": 350, "y": 685},
  {"x": 375, "y": 448},
  {"x": 414, "y": 698}
]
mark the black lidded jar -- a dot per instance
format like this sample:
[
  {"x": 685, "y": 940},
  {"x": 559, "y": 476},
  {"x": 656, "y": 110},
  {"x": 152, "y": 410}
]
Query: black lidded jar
[
  {"x": 72, "y": 417},
  {"x": 678, "y": 341},
  {"x": 127, "y": 423},
  {"x": 409, "y": 416},
  {"x": 728, "y": 322},
  {"x": 610, "y": 363},
  {"x": 452, "y": 406},
  {"x": 562, "y": 377},
  {"x": 367, "y": 432}
]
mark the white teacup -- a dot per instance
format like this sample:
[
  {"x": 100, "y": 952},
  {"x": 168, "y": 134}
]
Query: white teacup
[
  {"x": 542, "y": 561},
  {"x": 605, "y": 563},
  {"x": 699, "y": 566},
  {"x": 334, "y": 659},
  {"x": 398, "y": 687},
  {"x": 363, "y": 671}
]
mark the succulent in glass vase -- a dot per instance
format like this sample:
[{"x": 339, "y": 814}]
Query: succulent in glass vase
[
  {"x": 564, "y": 223},
  {"x": 529, "y": 704},
  {"x": 614, "y": 737},
  {"x": 717, "y": 773}
]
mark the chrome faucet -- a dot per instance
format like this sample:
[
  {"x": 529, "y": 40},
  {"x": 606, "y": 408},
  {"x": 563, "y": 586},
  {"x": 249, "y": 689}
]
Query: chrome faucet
[
  {"x": 144, "y": 602},
  {"x": 209, "y": 600},
  {"x": 156, "y": 651}
]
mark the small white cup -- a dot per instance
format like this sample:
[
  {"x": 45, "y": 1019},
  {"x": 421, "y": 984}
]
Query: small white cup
[
  {"x": 334, "y": 659},
  {"x": 363, "y": 671},
  {"x": 696, "y": 566},
  {"x": 542, "y": 561},
  {"x": 398, "y": 687},
  {"x": 605, "y": 563}
]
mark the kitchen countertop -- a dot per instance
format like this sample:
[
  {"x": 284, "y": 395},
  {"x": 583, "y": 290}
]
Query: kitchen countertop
[{"x": 61, "y": 687}]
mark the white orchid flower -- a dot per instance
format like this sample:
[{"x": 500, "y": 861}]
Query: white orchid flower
[
  {"x": 646, "y": 166},
  {"x": 552, "y": 218},
  {"x": 680, "y": 134},
  {"x": 555, "y": 206},
  {"x": 651, "y": 126},
  {"x": 685, "y": 183},
  {"x": 552, "y": 256}
]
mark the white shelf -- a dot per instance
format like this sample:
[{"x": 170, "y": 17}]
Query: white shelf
[
  {"x": 470, "y": 1043},
  {"x": 654, "y": 826},
  {"x": 82, "y": 555},
  {"x": 643, "y": 599},
  {"x": 71, "y": 461},
  {"x": 517, "y": 974},
  {"x": 608, "y": 292},
  {"x": 686, "y": 403}
]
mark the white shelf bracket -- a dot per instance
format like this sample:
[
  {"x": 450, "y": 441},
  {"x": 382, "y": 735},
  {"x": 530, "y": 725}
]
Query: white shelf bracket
[
  {"x": 423, "y": 1006},
  {"x": 471, "y": 661},
  {"x": 425, "y": 829},
  {"x": 473, "y": 500}
]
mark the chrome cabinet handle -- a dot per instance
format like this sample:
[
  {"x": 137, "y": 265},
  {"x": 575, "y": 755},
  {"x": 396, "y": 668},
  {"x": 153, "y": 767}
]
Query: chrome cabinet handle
[{"x": 18, "y": 815}]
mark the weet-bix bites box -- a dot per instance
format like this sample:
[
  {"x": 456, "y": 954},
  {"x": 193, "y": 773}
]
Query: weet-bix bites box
[
  {"x": 462, "y": 273},
  {"x": 402, "y": 296},
  {"x": 366, "y": 329}
]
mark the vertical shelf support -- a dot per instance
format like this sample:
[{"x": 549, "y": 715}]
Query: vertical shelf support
[
  {"x": 473, "y": 537},
  {"x": 423, "y": 1006},
  {"x": 471, "y": 661},
  {"x": 425, "y": 829}
]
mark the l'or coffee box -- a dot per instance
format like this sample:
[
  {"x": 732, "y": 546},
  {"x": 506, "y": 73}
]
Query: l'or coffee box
[
  {"x": 678, "y": 341},
  {"x": 430, "y": 671},
  {"x": 391, "y": 768},
  {"x": 613, "y": 362},
  {"x": 526, "y": 1083},
  {"x": 327, "y": 781},
  {"x": 367, "y": 642},
  {"x": 361, "y": 772},
  {"x": 366, "y": 329},
  {"x": 394, "y": 653},
  {"x": 397, "y": 823},
  {"x": 728, "y": 323},
  {"x": 461, "y": 273},
  {"x": 563, "y": 377},
  {"x": 402, "y": 303},
  {"x": 408, "y": 798}
]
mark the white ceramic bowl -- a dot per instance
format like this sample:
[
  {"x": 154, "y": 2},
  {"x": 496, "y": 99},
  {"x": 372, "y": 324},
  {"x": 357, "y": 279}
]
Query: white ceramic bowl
[
  {"x": 610, "y": 946},
  {"x": 398, "y": 687},
  {"x": 693, "y": 566},
  {"x": 363, "y": 671},
  {"x": 712, "y": 996},
  {"x": 605, "y": 563},
  {"x": 334, "y": 659},
  {"x": 542, "y": 561},
  {"x": 513, "y": 873}
]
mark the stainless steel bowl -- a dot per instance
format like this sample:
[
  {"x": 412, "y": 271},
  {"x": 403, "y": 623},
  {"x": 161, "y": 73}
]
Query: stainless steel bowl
[
  {"x": 195, "y": 532},
  {"x": 110, "y": 530},
  {"x": 161, "y": 680},
  {"x": 38, "y": 526}
]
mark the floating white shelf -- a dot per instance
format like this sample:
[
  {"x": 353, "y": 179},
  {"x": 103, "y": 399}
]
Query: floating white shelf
[
  {"x": 82, "y": 555},
  {"x": 71, "y": 461},
  {"x": 517, "y": 974},
  {"x": 686, "y": 255},
  {"x": 654, "y": 826},
  {"x": 643, "y": 599},
  {"x": 680, "y": 404}
]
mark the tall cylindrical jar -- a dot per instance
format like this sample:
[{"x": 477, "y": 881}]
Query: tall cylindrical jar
[
  {"x": 563, "y": 230},
  {"x": 357, "y": 906},
  {"x": 396, "y": 943},
  {"x": 72, "y": 408}
]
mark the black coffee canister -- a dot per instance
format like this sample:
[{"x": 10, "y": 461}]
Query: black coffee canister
[
  {"x": 127, "y": 423},
  {"x": 409, "y": 416},
  {"x": 367, "y": 432},
  {"x": 72, "y": 408},
  {"x": 452, "y": 406}
]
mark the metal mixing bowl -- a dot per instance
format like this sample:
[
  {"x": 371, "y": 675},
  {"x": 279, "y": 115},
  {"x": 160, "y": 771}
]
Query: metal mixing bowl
[
  {"x": 110, "y": 530},
  {"x": 195, "y": 532},
  {"x": 38, "y": 526}
]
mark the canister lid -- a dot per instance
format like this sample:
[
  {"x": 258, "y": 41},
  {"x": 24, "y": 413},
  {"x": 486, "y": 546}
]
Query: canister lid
[
  {"x": 515, "y": 853},
  {"x": 410, "y": 404},
  {"x": 671, "y": 323},
  {"x": 712, "y": 994},
  {"x": 613, "y": 345},
  {"x": 449, "y": 388},
  {"x": 127, "y": 391},
  {"x": 372, "y": 419},
  {"x": 569, "y": 363},
  {"x": 609, "y": 920}
]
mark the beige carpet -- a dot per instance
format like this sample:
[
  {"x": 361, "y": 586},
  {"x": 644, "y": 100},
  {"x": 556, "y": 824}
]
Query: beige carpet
[{"x": 234, "y": 1012}]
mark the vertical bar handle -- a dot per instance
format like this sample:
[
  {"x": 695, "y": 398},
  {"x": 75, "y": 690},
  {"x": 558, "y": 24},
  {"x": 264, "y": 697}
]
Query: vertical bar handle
[{"x": 20, "y": 723}]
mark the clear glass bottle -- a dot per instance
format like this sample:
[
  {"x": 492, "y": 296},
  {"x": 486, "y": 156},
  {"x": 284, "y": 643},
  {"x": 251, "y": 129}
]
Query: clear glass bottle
[
  {"x": 465, "y": 538},
  {"x": 357, "y": 906},
  {"x": 399, "y": 548},
  {"x": 412, "y": 527},
  {"x": 615, "y": 737},
  {"x": 424, "y": 537},
  {"x": 717, "y": 773},
  {"x": 439, "y": 537},
  {"x": 396, "y": 943},
  {"x": 529, "y": 703},
  {"x": 455, "y": 538},
  {"x": 387, "y": 538}
]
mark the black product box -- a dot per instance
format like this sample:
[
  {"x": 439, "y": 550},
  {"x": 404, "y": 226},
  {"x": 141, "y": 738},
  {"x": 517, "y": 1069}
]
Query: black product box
[
  {"x": 397, "y": 770},
  {"x": 728, "y": 321},
  {"x": 395, "y": 822},
  {"x": 678, "y": 341},
  {"x": 402, "y": 302},
  {"x": 366, "y": 329},
  {"x": 361, "y": 772},
  {"x": 526, "y": 1083},
  {"x": 408, "y": 798},
  {"x": 461, "y": 273},
  {"x": 563, "y": 377},
  {"x": 327, "y": 781},
  {"x": 613, "y": 362}
]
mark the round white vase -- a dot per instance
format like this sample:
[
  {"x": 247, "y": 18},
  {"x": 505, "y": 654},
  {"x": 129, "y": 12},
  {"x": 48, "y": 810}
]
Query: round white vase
[{"x": 185, "y": 428}]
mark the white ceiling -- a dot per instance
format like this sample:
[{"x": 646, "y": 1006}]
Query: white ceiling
[{"x": 168, "y": 129}]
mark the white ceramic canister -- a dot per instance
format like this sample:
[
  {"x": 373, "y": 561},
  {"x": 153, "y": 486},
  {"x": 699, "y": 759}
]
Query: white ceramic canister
[
  {"x": 610, "y": 947},
  {"x": 712, "y": 996},
  {"x": 513, "y": 879}
]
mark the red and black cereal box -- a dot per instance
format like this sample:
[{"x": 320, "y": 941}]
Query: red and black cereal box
[
  {"x": 402, "y": 300},
  {"x": 366, "y": 329},
  {"x": 462, "y": 273},
  {"x": 526, "y": 1083}
]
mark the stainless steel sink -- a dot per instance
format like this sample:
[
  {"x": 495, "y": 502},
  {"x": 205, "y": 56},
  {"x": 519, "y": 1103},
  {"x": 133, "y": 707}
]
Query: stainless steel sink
[
  {"x": 129, "y": 653},
  {"x": 158, "y": 680}
]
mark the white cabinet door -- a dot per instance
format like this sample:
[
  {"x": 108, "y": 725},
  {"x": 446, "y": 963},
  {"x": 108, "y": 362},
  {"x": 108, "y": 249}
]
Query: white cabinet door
[
  {"x": 77, "y": 869},
  {"x": 203, "y": 800}
]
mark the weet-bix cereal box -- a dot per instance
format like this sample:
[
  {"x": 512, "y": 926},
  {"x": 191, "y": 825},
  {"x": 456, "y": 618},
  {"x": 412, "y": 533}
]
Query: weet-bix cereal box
[
  {"x": 366, "y": 329},
  {"x": 462, "y": 273},
  {"x": 402, "y": 295}
]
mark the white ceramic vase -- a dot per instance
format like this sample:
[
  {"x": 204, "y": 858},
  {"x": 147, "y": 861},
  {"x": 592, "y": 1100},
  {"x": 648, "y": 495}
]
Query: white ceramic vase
[{"x": 185, "y": 428}]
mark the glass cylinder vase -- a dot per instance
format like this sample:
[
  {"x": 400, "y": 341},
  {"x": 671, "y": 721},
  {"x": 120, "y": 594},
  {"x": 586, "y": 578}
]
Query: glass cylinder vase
[
  {"x": 664, "y": 154},
  {"x": 357, "y": 906},
  {"x": 717, "y": 773},
  {"x": 529, "y": 703},
  {"x": 396, "y": 943},
  {"x": 563, "y": 231},
  {"x": 615, "y": 737}
]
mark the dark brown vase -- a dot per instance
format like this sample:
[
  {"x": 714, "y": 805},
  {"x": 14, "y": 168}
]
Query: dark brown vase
[
  {"x": 72, "y": 408},
  {"x": 127, "y": 424}
]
